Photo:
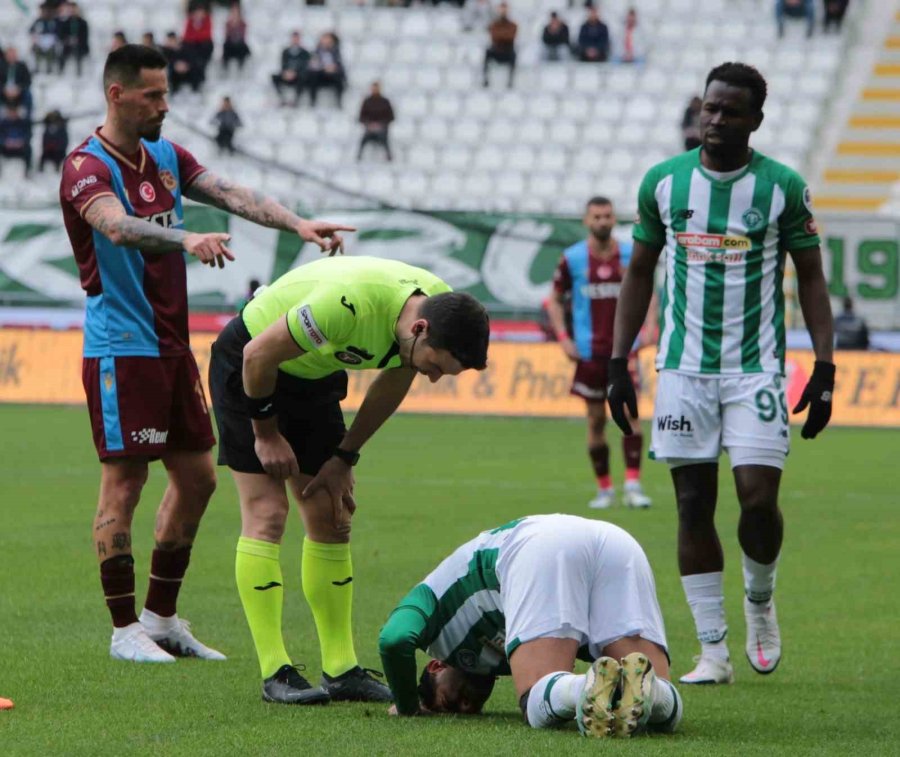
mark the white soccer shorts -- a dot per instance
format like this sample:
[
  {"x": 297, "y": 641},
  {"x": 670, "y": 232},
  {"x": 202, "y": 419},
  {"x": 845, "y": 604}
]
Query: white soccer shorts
[
  {"x": 696, "y": 417},
  {"x": 578, "y": 579}
]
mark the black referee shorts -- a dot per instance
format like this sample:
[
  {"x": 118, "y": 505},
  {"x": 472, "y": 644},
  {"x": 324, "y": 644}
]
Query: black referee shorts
[{"x": 309, "y": 410}]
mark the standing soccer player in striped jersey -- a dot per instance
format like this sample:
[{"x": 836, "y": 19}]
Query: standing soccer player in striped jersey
[
  {"x": 590, "y": 273},
  {"x": 726, "y": 216}
]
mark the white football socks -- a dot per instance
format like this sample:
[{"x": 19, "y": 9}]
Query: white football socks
[
  {"x": 759, "y": 580},
  {"x": 706, "y": 597},
  {"x": 553, "y": 699}
]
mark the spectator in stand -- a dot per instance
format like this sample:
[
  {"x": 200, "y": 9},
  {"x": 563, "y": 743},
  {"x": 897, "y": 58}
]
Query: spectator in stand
[
  {"x": 503, "y": 43},
  {"x": 251, "y": 292},
  {"x": 228, "y": 122},
  {"x": 16, "y": 80},
  {"x": 15, "y": 136},
  {"x": 183, "y": 69},
  {"x": 118, "y": 40},
  {"x": 294, "y": 73},
  {"x": 326, "y": 69},
  {"x": 375, "y": 115},
  {"x": 593, "y": 39},
  {"x": 556, "y": 39},
  {"x": 45, "y": 39},
  {"x": 850, "y": 330},
  {"x": 795, "y": 9},
  {"x": 148, "y": 40},
  {"x": 834, "y": 14},
  {"x": 73, "y": 36},
  {"x": 234, "y": 47},
  {"x": 55, "y": 140},
  {"x": 197, "y": 38},
  {"x": 632, "y": 40},
  {"x": 690, "y": 124},
  {"x": 476, "y": 14}
]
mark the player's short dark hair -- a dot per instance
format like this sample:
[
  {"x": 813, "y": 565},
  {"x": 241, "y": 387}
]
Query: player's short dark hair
[
  {"x": 598, "y": 200},
  {"x": 744, "y": 76},
  {"x": 458, "y": 323},
  {"x": 477, "y": 688},
  {"x": 124, "y": 65}
]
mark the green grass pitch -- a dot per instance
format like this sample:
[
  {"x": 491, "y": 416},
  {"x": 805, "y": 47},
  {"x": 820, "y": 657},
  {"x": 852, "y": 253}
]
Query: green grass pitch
[{"x": 425, "y": 485}]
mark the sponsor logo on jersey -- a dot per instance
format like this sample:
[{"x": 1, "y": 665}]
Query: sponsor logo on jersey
[
  {"x": 810, "y": 226},
  {"x": 752, "y": 218},
  {"x": 608, "y": 290},
  {"x": 309, "y": 325},
  {"x": 347, "y": 304},
  {"x": 77, "y": 161},
  {"x": 81, "y": 184},
  {"x": 168, "y": 180},
  {"x": 712, "y": 241},
  {"x": 149, "y": 436},
  {"x": 168, "y": 219},
  {"x": 147, "y": 192},
  {"x": 468, "y": 660},
  {"x": 807, "y": 199},
  {"x": 348, "y": 357},
  {"x": 680, "y": 426}
]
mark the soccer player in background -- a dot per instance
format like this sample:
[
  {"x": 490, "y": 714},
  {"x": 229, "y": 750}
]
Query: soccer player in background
[
  {"x": 590, "y": 273},
  {"x": 121, "y": 197},
  {"x": 524, "y": 600},
  {"x": 277, "y": 376},
  {"x": 726, "y": 216}
]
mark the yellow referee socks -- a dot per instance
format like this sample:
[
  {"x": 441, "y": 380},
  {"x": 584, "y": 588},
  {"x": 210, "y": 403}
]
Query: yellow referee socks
[
  {"x": 328, "y": 585},
  {"x": 258, "y": 573}
]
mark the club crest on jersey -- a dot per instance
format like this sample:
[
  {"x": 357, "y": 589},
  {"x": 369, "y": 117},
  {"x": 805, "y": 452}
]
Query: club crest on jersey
[
  {"x": 752, "y": 219},
  {"x": 168, "y": 180},
  {"x": 604, "y": 271},
  {"x": 77, "y": 161},
  {"x": 147, "y": 192},
  {"x": 348, "y": 357},
  {"x": 468, "y": 660},
  {"x": 807, "y": 199}
]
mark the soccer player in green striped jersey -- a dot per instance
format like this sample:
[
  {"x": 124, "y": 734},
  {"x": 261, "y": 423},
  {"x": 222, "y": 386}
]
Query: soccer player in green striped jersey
[
  {"x": 525, "y": 599},
  {"x": 726, "y": 217}
]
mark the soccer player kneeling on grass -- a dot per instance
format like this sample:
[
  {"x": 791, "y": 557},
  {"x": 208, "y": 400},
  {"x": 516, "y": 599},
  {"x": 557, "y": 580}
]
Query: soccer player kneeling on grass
[
  {"x": 277, "y": 378},
  {"x": 526, "y": 599}
]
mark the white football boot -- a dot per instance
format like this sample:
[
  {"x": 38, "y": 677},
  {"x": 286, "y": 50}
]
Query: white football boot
[
  {"x": 636, "y": 702},
  {"x": 174, "y": 635},
  {"x": 604, "y": 499},
  {"x": 763, "y": 637},
  {"x": 709, "y": 670},
  {"x": 635, "y": 497},
  {"x": 132, "y": 643},
  {"x": 594, "y": 711}
]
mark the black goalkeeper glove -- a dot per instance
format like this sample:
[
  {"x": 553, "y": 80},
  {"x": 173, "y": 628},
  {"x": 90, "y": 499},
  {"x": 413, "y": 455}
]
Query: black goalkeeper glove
[
  {"x": 620, "y": 394},
  {"x": 817, "y": 395}
]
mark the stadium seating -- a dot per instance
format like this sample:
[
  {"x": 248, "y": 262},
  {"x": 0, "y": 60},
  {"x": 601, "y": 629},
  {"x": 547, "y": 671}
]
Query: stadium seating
[{"x": 565, "y": 130}]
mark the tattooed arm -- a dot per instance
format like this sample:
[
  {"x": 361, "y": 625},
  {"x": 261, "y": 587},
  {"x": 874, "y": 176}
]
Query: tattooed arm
[
  {"x": 211, "y": 189},
  {"x": 107, "y": 215}
]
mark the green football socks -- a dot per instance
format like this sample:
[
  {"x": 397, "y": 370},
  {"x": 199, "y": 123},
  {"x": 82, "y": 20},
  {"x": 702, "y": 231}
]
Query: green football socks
[
  {"x": 258, "y": 573},
  {"x": 328, "y": 585}
]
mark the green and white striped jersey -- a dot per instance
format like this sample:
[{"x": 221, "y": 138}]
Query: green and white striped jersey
[
  {"x": 460, "y": 601},
  {"x": 725, "y": 239}
]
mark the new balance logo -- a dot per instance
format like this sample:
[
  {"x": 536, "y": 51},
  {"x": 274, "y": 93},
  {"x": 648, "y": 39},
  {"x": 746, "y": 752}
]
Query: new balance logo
[
  {"x": 683, "y": 215},
  {"x": 266, "y": 587},
  {"x": 347, "y": 580},
  {"x": 670, "y": 423}
]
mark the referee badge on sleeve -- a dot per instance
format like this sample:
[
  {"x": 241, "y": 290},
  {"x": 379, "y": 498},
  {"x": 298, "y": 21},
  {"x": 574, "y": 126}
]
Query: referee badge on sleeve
[{"x": 310, "y": 327}]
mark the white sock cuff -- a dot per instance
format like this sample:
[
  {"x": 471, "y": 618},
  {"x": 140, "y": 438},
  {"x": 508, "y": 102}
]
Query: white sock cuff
[
  {"x": 545, "y": 708},
  {"x": 704, "y": 585}
]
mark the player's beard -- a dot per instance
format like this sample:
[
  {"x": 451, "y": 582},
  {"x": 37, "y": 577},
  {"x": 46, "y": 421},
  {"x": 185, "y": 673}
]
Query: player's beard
[{"x": 152, "y": 132}]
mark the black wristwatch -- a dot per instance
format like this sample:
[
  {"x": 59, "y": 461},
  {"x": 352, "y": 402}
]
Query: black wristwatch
[{"x": 351, "y": 458}]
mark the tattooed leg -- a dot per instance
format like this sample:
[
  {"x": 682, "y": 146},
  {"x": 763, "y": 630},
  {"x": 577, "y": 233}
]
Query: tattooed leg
[{"x": 121, "y": 483}]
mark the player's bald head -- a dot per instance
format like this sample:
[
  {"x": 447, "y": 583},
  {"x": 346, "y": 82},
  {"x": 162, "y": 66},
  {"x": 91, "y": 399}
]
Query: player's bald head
[{"x": 123, "y": 66}]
